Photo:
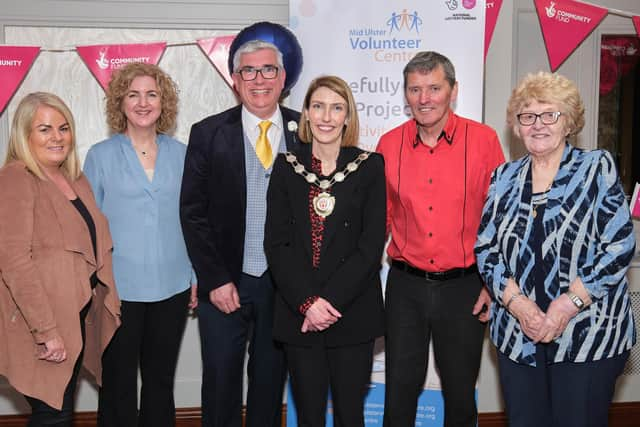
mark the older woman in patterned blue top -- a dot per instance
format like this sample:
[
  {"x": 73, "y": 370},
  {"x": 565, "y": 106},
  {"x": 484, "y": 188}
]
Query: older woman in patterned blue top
[{"x": 553, "y": 247}]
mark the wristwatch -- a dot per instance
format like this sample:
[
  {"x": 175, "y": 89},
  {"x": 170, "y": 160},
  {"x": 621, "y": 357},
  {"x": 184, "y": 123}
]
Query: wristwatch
[{"x": 576, "y": 300}]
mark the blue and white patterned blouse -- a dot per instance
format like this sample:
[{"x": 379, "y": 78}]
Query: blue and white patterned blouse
[{"x": 589, "y": 234}]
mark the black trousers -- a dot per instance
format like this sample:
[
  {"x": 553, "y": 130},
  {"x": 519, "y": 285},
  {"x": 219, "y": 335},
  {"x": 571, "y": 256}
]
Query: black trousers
[
  {"x": 416, "y": 312},
  {"x": 223, "y": 341},
  {"x": 560, "y": 394},
  {"x": 149, "y": 337},
  {"x": 345, "y": 370},
  {"x": 43, "y": 414}
]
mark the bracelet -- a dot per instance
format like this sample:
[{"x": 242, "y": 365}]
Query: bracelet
[
  {"x": 576, "y": 300},
  {"x": 513, "y": 297}
]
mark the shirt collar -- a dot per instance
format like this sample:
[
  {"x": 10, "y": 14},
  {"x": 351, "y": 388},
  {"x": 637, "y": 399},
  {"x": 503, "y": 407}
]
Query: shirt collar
[
  {"x": 448, "y": 132},
  {"x": 251, "y": 121}
]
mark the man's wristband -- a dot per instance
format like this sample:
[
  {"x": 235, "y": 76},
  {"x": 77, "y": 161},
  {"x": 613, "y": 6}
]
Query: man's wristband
[{"x": 513, "y": 298}]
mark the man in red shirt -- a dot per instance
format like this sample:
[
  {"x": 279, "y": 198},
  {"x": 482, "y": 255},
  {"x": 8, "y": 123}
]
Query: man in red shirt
[{"x": 438, "y": 166}]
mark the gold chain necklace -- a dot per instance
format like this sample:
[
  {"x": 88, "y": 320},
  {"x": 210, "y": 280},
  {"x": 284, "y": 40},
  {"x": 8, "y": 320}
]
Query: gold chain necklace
[{"x": 324, "y": 203}]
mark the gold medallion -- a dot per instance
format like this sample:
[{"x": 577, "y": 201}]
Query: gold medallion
[{"x": 323, "y": 204}]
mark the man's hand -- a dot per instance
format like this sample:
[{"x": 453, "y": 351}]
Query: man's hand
[
  {"x": 482, "y": 305},
  {"x": 320, "y": 316},
  {"x": 225, "y": 298}
]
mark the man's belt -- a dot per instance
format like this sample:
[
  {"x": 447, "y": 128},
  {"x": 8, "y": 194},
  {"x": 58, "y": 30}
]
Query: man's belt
[{"x": 439, "y": 276}]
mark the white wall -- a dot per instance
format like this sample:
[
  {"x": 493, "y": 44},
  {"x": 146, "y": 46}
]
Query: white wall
[{"x": 517, "y": 48}]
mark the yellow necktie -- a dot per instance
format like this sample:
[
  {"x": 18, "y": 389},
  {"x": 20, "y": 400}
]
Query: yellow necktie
[{"x": 263, "y": 147}]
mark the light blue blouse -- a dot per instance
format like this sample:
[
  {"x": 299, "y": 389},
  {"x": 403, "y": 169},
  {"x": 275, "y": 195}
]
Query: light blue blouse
[{"x": 150, "y": 261}]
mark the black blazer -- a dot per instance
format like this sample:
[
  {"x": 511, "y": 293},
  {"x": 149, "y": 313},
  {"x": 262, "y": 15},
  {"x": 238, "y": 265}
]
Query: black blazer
[
  {"x": 354, "y": 236},
  {"x": 213, "y": 198}
]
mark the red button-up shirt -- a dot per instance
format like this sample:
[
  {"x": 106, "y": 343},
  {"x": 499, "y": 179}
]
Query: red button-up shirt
[{"x": 435, "y": 194}]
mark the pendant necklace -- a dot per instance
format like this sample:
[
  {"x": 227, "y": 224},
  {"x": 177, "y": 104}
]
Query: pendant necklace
[
  {"x": 539, "y": 201},
  {"x": 324, "y": 203}
]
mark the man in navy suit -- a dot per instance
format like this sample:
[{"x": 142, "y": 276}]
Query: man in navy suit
[{"x": 223, "y": 209}]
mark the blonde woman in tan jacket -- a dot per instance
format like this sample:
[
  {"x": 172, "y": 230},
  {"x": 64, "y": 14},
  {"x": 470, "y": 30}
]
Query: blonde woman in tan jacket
[{"x": 57, "y": 296}]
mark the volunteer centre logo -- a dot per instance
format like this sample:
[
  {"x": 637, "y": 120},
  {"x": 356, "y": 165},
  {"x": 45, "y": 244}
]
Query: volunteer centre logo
[
  {"x": 396, "y": 39},
  {"x": 404, "y": 20}
]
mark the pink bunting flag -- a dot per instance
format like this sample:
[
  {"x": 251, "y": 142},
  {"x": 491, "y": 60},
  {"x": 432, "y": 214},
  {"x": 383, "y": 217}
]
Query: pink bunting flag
[
  {"x": 15, "y": 62},
  {"x": 103, "y": 60},
  {"x": 565, "y": 24},
  {"x": 491, "y": 17},
  {"x": 636, "y": 23},
  {"x": 634, "y": 203},
  {"x": 217, "y": 50}
]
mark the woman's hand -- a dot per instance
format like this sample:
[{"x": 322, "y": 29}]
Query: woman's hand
[
  {"x": 529, "y": 315},
  {"x": 560, "y": 311},
  {"x": 54, "y": 351},
  {"x": 522, "y": 308},
  {"x": 319, "y": 316},
  {"x": 193, "y": 298}
]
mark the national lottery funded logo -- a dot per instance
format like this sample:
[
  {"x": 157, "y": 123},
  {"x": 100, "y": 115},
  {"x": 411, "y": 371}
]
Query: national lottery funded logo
[
  {"x": 105, "y": 63},
  {"x": 563, "y": 15},
  {"x": 459, "y": 14},
  {"x": 396, "y": 39}
]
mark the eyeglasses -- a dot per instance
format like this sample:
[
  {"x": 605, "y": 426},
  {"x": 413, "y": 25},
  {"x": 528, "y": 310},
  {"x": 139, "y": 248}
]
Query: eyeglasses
[
  {"x": 268, "y": 72},
  {"x": 547, "y": 118}
]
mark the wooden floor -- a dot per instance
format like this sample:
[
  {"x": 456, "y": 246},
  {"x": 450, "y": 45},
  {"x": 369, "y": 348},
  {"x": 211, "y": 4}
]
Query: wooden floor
[{"x": 625, "y": 414}]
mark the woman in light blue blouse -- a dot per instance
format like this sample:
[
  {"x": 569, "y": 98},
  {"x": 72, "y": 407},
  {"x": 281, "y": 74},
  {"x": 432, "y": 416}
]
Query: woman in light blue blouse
[
  {"x": 553, "y": 247},
  {"x": 136, "y": 176}
]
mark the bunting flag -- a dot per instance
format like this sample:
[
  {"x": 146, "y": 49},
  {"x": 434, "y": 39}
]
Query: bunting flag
[
  {"x": 634, "y": 204},
  {"x": 15, "y": 62},
  {"x": 491, "y": 17},
  {"x": 103, "y": 60},
  {"x": 565, "y": 24},
  {"x": 217, "y": 50},
  {"x": 636, "y": 23}
]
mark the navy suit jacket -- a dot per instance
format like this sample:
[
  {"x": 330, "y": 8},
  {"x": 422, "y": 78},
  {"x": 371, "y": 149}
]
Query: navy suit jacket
[{"x": 213, "y": 198}]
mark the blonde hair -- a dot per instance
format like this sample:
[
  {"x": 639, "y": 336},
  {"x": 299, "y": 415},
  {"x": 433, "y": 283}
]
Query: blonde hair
[
  {"x": 119, "y": 86},
  {"x": 548, "y": 88},
  {"x": 21, "y": 127},
  {"x": 352, "y": 126}
]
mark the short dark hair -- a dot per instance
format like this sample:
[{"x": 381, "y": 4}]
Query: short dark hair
[{"x": 427, "y": 61}]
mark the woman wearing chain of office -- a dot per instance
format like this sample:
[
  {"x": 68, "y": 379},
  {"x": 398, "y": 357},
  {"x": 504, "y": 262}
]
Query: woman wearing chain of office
[{"x": 324, "y": 237}]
